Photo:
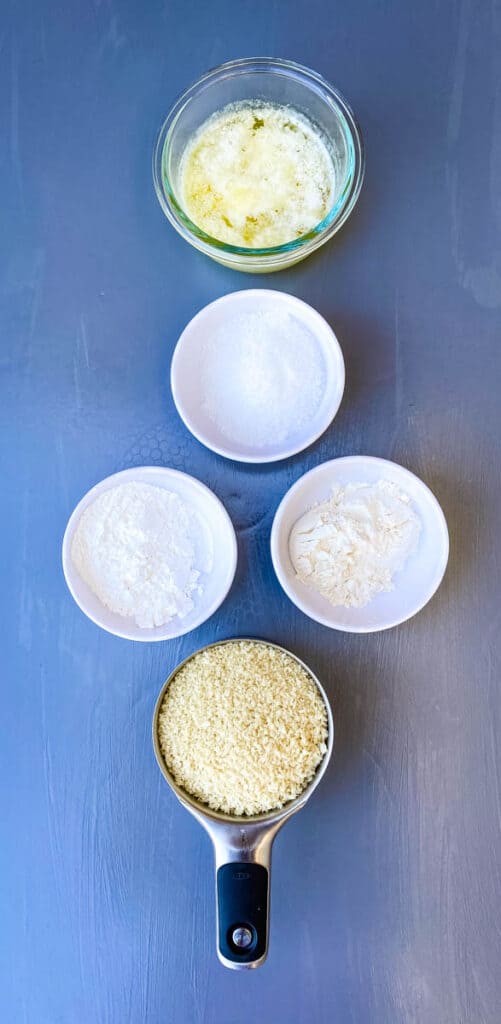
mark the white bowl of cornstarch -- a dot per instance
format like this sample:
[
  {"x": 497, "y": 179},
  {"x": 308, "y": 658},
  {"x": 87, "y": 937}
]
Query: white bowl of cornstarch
[
  {"x": 359, "y": 544},
  {"x": 149, "y": 553},
  {"x": 257, "y": 375}
]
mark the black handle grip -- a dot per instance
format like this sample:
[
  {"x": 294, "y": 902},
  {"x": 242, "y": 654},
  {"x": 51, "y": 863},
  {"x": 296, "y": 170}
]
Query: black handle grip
[{"x": 242, "y": 899}]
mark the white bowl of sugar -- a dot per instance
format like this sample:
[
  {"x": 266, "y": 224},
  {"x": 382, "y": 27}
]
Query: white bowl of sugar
[
  {"x": 257, "y": 376},
  {"x": 149, "y": 553}
]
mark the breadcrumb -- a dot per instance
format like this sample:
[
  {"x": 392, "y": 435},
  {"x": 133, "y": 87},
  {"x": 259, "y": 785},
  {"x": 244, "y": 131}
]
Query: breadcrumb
[{"x": 243, "y": 727}]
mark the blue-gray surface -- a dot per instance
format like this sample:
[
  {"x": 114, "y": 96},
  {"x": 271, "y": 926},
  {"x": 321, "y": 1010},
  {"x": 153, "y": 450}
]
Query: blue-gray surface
[{"x": 387, "y": 886}]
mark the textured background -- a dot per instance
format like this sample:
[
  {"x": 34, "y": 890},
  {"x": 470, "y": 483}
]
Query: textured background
[{"x": 387, "y": 887}]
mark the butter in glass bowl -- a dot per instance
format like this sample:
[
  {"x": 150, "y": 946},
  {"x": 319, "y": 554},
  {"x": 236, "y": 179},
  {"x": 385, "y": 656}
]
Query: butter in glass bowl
[{"x": 259, "y": 163}]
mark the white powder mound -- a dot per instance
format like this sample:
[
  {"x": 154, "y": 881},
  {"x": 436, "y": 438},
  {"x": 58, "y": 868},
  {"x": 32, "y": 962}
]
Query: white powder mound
[
  {"x": 349, "y": 547},
  {"x": 263, "y": 377},
  {"x": 136, "y": 548}
]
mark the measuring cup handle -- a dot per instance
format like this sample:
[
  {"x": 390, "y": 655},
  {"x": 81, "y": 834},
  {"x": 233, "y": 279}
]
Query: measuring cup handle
[
  {"x": 243, "y": 873},
  {"x": 242, "y": 913}
]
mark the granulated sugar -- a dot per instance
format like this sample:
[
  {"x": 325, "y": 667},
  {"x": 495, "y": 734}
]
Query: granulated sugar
[
  {"x": 263, "y": 377},
  {"x": 137, "y": 548}
]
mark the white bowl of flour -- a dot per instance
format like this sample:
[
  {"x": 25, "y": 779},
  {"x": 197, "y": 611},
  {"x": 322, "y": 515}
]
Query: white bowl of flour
[
  {"x": 149, "y": 553},
  {"x": 257, "y": 375},
  {"x": 359, "y": 544}
]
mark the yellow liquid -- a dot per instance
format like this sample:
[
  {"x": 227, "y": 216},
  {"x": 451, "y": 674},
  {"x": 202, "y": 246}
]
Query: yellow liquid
[{"x": 257, "y": 175}]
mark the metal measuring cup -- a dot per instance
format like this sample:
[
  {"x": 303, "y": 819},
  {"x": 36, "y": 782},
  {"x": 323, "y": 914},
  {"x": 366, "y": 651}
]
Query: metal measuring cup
[{"x": 242, "y": 847}]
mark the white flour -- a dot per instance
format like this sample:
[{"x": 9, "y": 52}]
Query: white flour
[
  {"x": 349, "y": 547},
  {"x": 136, "y": 546},
  {"x": 263, "y": 377}
]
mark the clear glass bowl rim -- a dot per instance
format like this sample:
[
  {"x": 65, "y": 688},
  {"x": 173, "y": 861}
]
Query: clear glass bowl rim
[{"x": 318, "y": 234}]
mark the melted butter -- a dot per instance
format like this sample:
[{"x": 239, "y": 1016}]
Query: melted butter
[{"x": 257, "y": 175}]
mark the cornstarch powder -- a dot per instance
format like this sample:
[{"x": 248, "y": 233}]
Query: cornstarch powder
[{"x": 137, "y": 548}]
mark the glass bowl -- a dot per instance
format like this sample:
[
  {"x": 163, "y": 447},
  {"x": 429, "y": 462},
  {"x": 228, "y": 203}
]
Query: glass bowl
[{"x": 273, "y": 81}]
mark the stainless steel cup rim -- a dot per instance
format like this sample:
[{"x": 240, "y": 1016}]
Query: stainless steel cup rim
[{"x": 201, "y": 810}]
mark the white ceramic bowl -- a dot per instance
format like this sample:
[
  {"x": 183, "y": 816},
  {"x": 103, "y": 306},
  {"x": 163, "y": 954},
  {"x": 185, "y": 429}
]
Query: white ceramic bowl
[
  {"x": 415, "y": 584},
  {"x": 218, "y": 538},
  {"x": 187, "y": 385}
]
